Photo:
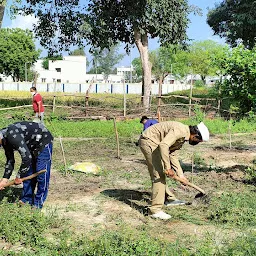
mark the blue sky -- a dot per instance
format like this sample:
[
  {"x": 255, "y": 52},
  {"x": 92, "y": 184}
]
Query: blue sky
[{"x": 198, "y": 28}]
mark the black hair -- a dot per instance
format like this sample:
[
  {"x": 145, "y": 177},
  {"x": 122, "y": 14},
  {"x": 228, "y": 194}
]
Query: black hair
[
  {"x": 194, "y": 130},
  {"x": 33, "y": 88},
  {"x": 143, "y": 118}
]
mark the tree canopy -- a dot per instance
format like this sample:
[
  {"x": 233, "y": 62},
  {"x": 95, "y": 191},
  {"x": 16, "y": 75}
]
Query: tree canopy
[
  {"x": 132, "y": 22},
  {"x": 162, "y": 60},
  {"x": 104, "y": 23},
  {"x": 17, "y": 52},
  {"x": 104, "y": 61},
  {"x": 78, "y": 52},
  {"x": 201, "y": 57},
  {"x": 234, "y": 20},
  {"x": 239, "y": 68}
]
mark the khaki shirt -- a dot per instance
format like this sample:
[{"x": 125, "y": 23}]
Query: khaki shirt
[{"x": 169, "y": 136}]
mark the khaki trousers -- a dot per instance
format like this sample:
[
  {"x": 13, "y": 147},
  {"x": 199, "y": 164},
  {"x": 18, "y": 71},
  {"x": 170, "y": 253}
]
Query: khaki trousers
[{"x": 160, "y": 190}]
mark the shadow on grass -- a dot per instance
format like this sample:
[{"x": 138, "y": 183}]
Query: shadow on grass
[
  {"x": 11, "y": 194},
  {"x": 217, "y": 169},
  {"x": 138, "y": 200}
]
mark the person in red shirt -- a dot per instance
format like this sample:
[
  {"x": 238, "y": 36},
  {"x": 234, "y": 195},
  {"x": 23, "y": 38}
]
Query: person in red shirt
[{"x": 38, "y": 106}]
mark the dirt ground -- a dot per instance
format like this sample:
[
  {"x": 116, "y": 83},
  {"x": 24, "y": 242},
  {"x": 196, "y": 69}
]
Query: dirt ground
[{"x": 120, "y": 194}]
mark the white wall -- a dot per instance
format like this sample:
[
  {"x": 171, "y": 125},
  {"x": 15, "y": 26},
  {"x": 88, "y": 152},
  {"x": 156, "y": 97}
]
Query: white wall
[{"x": 135, "y": 88}]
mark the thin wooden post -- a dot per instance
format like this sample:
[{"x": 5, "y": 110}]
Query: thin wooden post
[
  {"x": 159, "y": 101},
  {"x": 87, "y": 98},
  {"x": 63, "y": 155},
  {"x": 53, "y": 103},
  {"x": 124, "y": 97},
  {"x": 117, "y": 139},
  {"x": 229, "y": 130},
  {"x": 192, "y": 166},
  {"x": 190, "y": 96}
]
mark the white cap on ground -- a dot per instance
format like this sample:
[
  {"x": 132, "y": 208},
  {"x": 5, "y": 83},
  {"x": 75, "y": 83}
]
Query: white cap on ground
[{"x": 204, "y": 131}]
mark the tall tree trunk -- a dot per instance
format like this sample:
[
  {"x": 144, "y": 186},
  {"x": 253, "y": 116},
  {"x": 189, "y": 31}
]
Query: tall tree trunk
[
  {"x": 141, "y": 42},
  {"x": 2, "y": 8}
]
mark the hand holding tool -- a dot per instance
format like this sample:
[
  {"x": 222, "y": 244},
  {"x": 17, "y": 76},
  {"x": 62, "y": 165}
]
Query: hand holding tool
[
  {"x": 12, "y": 182},
  {"x": 172, "y": 175}
]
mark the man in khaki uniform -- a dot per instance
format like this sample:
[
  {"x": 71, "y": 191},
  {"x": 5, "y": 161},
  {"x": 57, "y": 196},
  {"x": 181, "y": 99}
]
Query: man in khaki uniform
[{"x": 158, "y": 143}]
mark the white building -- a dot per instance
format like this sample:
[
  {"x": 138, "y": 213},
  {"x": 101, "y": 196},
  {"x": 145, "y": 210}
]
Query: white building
[
  {"x": 125, "y": 72},
  {"x": 72, "y": 69}
]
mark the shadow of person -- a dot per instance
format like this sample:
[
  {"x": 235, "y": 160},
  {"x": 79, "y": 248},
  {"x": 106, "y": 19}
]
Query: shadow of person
[
  {"x": 10, "y": 194},
  {"x": 138, "y": 200}
]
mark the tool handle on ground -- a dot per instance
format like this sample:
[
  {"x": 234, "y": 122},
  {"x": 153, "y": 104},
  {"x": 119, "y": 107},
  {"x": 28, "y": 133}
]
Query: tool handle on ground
[
  {"x": 175, "y": 177},
  {"x": 12, "y": 182}
]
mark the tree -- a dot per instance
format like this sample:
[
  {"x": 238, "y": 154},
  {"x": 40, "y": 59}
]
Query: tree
[
  {"x": 17, "y": 52},
  {"x": 108, "y": 22},
  {"x": 45, "y": 63},
  {"x": 162, "y": 60},
  {"x": 136, "y": 63},
  {"x": 2, "y": 8},
  {"x": 201, "y": 55},
  {"x": 239, "y": 68},
  {"x": 78, "y": 52},
  {"x": 105, "y": 60},
  {"x": 234, "y": 20},
  {"x": 132, "y": 22}
]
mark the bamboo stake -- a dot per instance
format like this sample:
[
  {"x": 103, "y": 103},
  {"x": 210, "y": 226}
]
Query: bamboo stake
[
  {"x": 190, "y": 96},
  {"x": 63, "y": 155},
  {"x": 87, "y": 98},
  {"x": 124, "y": 99},
  {"x": 192, "y": 164},
  {"x": 159, "y": 101},
  {"x": 117, "y": 139},
  {"x": 229, "y": 130},
  {"x": 53, "y": 104}
]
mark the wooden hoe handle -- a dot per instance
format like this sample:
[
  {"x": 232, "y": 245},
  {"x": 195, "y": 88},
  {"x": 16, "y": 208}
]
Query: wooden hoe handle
[
  {"x": 12, "y": 182},
  {"x": 175, "y": 177}
]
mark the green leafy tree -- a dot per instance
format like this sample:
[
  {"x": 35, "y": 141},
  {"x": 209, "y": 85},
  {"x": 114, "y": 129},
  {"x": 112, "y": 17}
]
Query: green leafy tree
[
  {"x": 239, "y": 67},
  {"x": 180, "y": 66},
  {"x": 162, "y": 60},
  {"x": 17, "y": 52},
  {"x": 234, "y": 20},
  {"x": 104, "y": 61},
  {"x": 201, "y": 55},
  {"x": 45, "y": 63},
  {"x": 78, "y": 52},
  {"x": 107, "y": 22},
  {"x": 132, "y": 22},
  {"x": 136, "y": 63}
]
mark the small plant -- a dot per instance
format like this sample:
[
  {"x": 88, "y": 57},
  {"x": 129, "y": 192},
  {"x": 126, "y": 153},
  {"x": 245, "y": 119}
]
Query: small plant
[
  {"x": 199, "y": 160},
  {"x": 251, "y": 174},
  {"x": 199, "y": 114}
]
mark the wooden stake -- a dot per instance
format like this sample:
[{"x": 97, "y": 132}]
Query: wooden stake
[
  {"x": 229, "y": 130},
  {"x": 117, "y": 139},
  {"x": 190, "y": 96},
  {"x": 192, "y": 165},
  {"x": 53, "y": 104},
  {"x": 159, "y": 101},
  {"x": 87, "y": 98},
  {"x": 63, "y": 155}
]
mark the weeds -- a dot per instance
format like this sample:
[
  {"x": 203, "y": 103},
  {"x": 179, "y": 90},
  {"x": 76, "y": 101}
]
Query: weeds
[{"x": 233, "y": 209}]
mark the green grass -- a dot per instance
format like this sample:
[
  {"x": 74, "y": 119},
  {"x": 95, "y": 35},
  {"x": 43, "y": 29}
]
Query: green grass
[
  {"x": 234, "y": 209},
  {"x": 34, "y": 233}
]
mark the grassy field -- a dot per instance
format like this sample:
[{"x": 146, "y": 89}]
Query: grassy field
[{"x": 106, "y": 214}]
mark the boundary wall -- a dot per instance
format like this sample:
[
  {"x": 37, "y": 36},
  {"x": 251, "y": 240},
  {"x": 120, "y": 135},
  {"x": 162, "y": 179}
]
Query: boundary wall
[{"x": 127, "y": 88}]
